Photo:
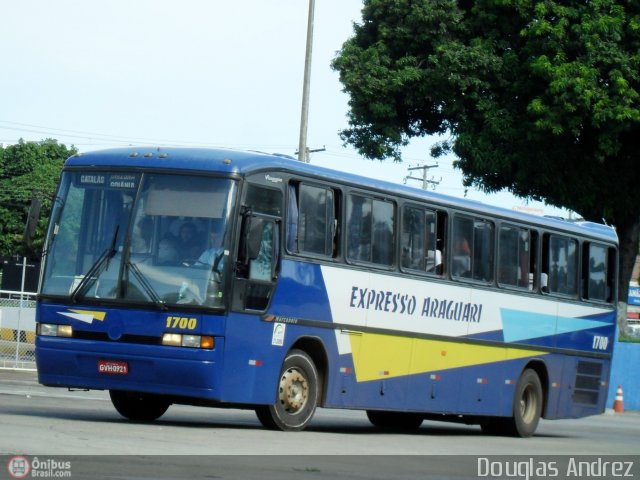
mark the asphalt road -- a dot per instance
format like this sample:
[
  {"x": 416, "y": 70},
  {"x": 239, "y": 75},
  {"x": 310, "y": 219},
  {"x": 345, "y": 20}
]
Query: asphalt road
[{"x": 215, "y": 443}]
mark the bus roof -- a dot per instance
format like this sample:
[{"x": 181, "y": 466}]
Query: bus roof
[{"x": 248, "y": 162}]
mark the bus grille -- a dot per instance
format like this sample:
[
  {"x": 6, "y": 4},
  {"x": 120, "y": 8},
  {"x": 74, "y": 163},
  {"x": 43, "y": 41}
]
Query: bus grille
[{"x": 588, "y": 379}]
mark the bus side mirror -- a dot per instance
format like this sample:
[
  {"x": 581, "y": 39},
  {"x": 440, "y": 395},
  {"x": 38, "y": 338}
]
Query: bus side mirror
[{"x": 32, "y": 222}]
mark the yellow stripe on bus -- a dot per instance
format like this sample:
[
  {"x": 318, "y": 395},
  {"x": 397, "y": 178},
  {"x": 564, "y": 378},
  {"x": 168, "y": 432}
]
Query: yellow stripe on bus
[{"x": 377, "y": 356}]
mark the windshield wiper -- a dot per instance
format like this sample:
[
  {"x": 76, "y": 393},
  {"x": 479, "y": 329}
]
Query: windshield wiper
[
  {"x": 147, "y": 286},
  {"x": 96, "y": 269}
]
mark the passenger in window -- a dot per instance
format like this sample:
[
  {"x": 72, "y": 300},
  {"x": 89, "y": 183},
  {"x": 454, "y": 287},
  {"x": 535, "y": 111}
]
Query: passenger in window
[
  {"x": 461, "y": 257},
  {"x": 214, "y": 255},
  {"x": 188, "y": 242},
  {"x": 167, "y": 252}
]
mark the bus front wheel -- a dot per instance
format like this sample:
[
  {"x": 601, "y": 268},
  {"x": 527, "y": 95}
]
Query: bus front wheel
[
  {"x": 297, "y": 395},
  {"x": 138, "y": 406}
]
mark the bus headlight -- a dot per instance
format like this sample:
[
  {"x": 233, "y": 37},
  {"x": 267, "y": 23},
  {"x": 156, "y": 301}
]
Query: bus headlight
[
  {"x": 191, "y": 341},
  {"x": 54, "y": 330}
]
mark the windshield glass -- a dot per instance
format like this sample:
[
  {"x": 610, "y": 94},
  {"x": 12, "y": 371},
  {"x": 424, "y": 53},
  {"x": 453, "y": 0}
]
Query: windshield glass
[{"x": 151, "y": 238}]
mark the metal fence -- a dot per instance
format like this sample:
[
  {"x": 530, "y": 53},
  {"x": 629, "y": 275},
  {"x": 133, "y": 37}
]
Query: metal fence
[{"x": 17, "y": 329}]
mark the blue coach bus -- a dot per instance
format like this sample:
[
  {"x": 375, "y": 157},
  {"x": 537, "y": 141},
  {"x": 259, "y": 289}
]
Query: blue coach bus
[{"x": 226, "y": 278}]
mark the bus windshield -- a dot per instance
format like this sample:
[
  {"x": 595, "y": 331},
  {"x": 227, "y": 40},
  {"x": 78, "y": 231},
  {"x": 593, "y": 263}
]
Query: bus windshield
[{"x": 139, "y": 238}]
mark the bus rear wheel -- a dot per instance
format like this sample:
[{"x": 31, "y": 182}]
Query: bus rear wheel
[
  {"x": 527, "y": 409},
  {"x": 297, "y": 395},
  {"x": 397, "y": 421},
  {"x": 138, "y": 406}
]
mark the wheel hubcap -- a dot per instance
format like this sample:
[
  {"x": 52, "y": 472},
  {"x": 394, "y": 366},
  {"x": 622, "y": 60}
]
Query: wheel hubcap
[
  {"x": 528, "y": 404},
  {"x": 293, "y": 390}
]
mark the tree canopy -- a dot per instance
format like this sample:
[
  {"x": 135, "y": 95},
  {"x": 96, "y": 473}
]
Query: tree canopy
[
  {"x": 27, "y": 169},
  {"x": 537, "y": 97}
]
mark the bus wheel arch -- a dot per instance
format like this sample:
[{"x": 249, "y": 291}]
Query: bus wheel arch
[
  {"x": 527, "y": 404},
  {"x": 297, "y": 394}
]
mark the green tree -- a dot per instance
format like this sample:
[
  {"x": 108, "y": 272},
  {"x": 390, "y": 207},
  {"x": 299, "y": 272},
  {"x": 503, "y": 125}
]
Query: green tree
[
  {"x": 27, "y": 169},
  {"x": 537, "y": 97}
]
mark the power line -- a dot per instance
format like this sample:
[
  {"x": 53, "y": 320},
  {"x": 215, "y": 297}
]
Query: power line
[
  {"x": 103, "y": 140},
  {"x": 425, "y": 181},
  {"x": 119, "y": 139}
]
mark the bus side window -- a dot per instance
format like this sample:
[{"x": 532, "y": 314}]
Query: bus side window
[
  {"x": 312, "y": 220},
  {"x": 370, "y": 230},
  {"x": 472, "y": 255},
  {"x": 412, "y": 238},
  {"x": 383, "y": 233},
  {"x": 359, "y": 228},
  {"x": 462, "y": 241},
  {"x": 560, "y": 264},
  {"x": 421, "y": 239},
  {"x": 483, "y": 246},
  {"x": 264, "y": 200},
  {"x": 597, "y": 272},
  {"x": 516, "y": 257}
]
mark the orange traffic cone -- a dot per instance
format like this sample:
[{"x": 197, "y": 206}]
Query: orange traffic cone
[{"x": 618, "y": 404}]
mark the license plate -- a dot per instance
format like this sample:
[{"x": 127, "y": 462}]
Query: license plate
[{"x": 113, "y": 367}]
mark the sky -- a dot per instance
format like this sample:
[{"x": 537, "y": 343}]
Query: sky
[{"x": 200, "y": 73}]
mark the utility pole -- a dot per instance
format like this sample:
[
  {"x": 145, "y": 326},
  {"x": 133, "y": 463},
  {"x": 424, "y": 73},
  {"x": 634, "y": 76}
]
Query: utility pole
[
  {"x": 307, "y": 156},
  {"x": 425, "y": 181},
  {"x": 304, "y": 117}
]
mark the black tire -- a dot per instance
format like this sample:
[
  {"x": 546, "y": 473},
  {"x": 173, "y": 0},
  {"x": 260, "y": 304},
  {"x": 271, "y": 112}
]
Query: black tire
[
  {"x": 395, "y": 421},
  {"x": 297, "y": 395},
  {"x": 138, "y": 406},
  {"x": 527, "y": 409}
]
